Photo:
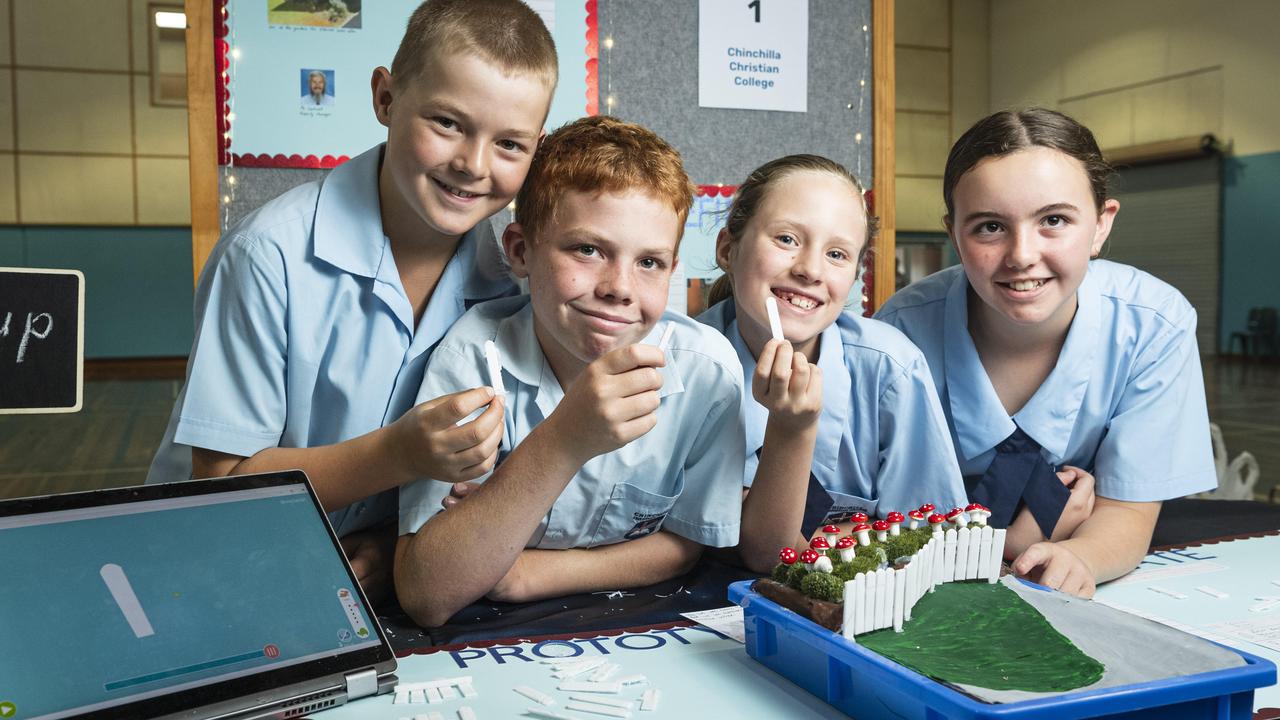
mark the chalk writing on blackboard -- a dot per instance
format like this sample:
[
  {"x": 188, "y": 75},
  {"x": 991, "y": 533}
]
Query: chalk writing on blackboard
[{"x": 41, "y": 340}]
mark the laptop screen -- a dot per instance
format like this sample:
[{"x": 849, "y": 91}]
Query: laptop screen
[{"x": 122, "y": 597}]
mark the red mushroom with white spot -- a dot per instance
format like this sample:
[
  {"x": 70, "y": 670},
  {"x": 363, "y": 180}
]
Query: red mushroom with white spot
[
  {"x": 809, "y": 557},
  {"x": 831, "y": 532},
  {"x": 956, "y": 516},
  {"x": 978, "y": 513},
  {"x": 927, "y": 508},
  {"x": 788, "y": 556},
  {"x": 882, "y": 529},
  {"x": 858, "y": 517},
  {"x": 845, "y": 546},
  {"x": 936, "y": 520},
  {"x": 862, "y": 530},
  {"x": 894, "y": 519},
  {"x": 915, "y": 518},
  {"x": 820, "y": 545}
]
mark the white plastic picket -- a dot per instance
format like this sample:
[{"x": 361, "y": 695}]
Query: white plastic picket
[
  {"x": 975, "y": 555},
  {"x": 997, "y": 554},
  {"x": 962, "y": 554},
  {"x": 885, "y": 598}
]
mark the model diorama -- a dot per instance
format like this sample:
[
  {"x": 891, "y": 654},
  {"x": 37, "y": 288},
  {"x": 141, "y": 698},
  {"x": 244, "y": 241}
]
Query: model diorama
[
  {"x": 924, "y": 589},
  {"x": 873, "y": 577}
]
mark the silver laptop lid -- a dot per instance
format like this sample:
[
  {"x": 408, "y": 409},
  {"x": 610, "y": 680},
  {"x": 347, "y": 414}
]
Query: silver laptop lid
[{"x": 152, "y": 600}]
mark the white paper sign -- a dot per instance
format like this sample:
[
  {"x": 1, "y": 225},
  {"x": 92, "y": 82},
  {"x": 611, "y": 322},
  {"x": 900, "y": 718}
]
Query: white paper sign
[
  {"x": 753, "y": 55},
  {"x": 726, "y": 621}
]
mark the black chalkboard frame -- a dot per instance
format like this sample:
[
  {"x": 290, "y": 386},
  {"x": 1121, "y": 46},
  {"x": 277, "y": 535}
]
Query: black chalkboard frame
[{"x": 17, "y": 327}]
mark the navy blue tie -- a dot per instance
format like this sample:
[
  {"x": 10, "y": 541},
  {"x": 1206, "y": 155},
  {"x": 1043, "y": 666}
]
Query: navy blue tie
[{"x": 1019, "y": 475}]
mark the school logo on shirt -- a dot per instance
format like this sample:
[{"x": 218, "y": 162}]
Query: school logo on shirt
[{"x": 646, "y": 524}]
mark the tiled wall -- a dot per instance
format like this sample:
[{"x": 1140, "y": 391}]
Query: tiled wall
[
  {"x": 80, "y": 141},
  {"x": 941, "y": 88}
]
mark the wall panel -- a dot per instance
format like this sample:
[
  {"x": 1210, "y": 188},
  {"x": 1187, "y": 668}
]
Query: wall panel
[
  {"x": 73, "y": 112},
  {"x": 72, "y": 34},
  {"x": 69, "y": 190}
]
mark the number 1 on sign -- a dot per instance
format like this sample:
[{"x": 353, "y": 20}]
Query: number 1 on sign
[{"x": 755, "y": 5}]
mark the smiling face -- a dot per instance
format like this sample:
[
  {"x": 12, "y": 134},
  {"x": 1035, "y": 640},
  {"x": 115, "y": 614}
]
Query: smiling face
[
  {"x": 598, "y": 274},
  {"x": 1025, "y": 227},
  {"x": 801, "y": 246},
  {"x": 460, "y": 137}
]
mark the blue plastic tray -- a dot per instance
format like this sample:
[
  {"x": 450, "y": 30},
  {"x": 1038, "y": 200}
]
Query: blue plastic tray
[{"x": 867, "y": 686}]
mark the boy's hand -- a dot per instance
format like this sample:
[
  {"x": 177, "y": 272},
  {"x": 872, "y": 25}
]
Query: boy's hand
[
  {"x": 433, "y": 445},
  {"x": 370, "y": 554},
  {"x": 787, "y": 385},
  {"x": 1079, "y": 506},
  {"x": 458, "y": 493},
  {"x": 1055, "y": 566},
  {"x": 612, "y": 402}
]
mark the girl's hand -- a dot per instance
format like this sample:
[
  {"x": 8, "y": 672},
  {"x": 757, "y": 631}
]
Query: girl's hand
[
  {"x": 788, "y": 385},
  {"x": 1025, "y": 532},
  {"x": 1055, "y": 566},
  {"x": 1079, "y": 506}
]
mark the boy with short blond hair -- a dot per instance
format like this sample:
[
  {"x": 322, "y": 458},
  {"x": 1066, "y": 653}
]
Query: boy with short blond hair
[
  {"x": 315, "y": 314},
  {"x": 625, "y": 459}
]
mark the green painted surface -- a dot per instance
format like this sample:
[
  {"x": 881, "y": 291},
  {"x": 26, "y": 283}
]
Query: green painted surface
[
  {"x": 138, "y": 290},
  {"x": 1250, "y": 251},
  {"x": 11, "y": 248},
  {"x": 985, "y": 635}
]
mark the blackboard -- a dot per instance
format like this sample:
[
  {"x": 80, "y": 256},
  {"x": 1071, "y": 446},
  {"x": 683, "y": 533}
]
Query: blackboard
[{"x": 41, "y": 340}]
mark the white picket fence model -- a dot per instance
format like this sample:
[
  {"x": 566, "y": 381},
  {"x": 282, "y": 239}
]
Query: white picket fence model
[{"x": 884, "y": 598}]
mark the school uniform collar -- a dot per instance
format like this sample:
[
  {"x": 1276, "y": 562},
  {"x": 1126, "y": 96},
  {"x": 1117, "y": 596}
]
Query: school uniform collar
[
  {"x": 348, "y": 221},
  {"x": 979, "y": 418},
  {"x": 1050, "y": 415},
  {"x": 522, "y": 357},
  {"x": 348, "y": 233}
]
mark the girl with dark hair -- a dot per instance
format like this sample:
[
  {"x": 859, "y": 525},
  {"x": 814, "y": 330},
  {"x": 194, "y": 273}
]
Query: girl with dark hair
[
  {"x": 841, "y": 414},
  {"x": 1061, "y": 375}
]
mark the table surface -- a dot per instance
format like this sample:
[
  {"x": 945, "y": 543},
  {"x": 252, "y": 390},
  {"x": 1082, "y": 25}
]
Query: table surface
[
  {"x": 694, "y": 667},
  {"x": 1181, "y": 522},
  {"x": 501, "y": 645}
]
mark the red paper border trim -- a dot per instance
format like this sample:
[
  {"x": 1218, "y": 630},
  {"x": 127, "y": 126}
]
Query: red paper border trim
[
  {"x": 593, "y": 59},
  {"x": 222, "y": 64},
  {"x": 714, "y": 190}
]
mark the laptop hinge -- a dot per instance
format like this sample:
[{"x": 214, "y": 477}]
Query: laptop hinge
[{"x": 362, "y": 684}]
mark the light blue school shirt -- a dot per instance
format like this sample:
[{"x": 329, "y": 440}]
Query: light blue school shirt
[
  {"x": 882, "y": 443},
  {"x": 1125, "y": 401},
  {"x": 304, "y": 335},
  {"x": 683, "y": 476}
]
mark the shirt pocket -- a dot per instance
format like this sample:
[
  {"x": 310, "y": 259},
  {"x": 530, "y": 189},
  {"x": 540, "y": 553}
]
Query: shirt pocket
[
  {"x": 844, "y": 506},
  {"x": 632, "y": 513}
]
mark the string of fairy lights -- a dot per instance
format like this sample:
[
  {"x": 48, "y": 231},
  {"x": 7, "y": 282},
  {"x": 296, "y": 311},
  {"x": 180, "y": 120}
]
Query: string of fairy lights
[{"x": 229, "y": 183}]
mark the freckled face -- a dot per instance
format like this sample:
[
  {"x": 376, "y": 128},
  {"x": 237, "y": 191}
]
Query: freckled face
[
  {"x": 460, "y": 138},
  {"x": 599, "y": 273},
  {"x": 1025, "y": 227},
  {"x": 801, "y": 247}
]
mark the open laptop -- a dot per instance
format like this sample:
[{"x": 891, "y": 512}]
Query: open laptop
[{"x": 222, "y": 598}]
